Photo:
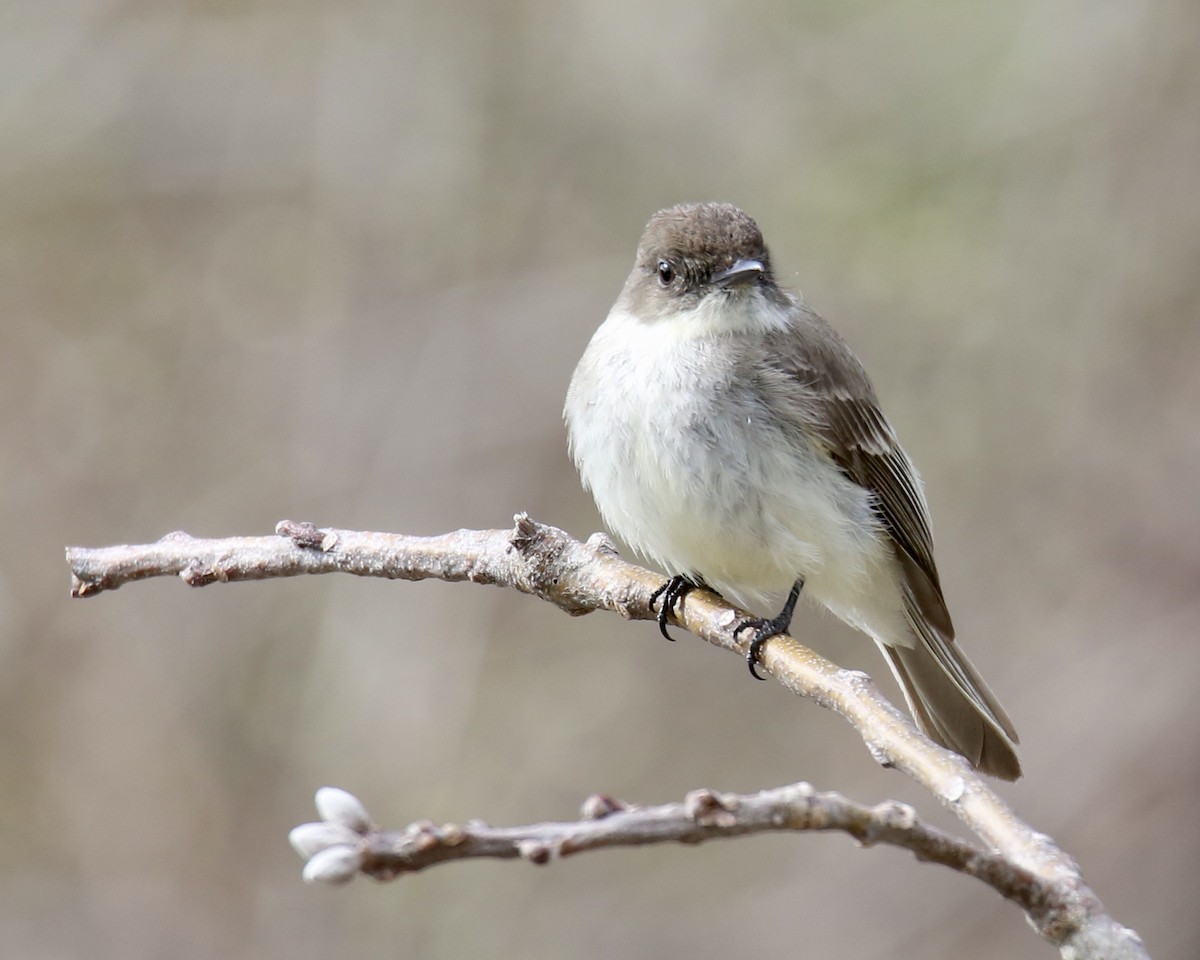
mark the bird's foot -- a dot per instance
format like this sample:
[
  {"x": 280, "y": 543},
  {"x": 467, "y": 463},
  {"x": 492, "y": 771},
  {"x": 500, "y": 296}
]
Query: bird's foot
[
  {"x": 764, "y": 629},
  {"x": 670, "y": 593}
]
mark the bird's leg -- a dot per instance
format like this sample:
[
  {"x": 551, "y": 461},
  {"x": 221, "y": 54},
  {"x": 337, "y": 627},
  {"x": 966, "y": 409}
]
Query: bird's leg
[
  {"x": 764, "y": 630},
  {"x": 671, "y": 593}
]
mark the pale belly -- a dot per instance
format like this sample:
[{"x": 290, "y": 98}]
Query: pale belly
[{"x": 708, "y": 484}]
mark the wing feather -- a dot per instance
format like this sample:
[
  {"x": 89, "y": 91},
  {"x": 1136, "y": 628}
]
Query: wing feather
[{"x": 846, "y": 415}]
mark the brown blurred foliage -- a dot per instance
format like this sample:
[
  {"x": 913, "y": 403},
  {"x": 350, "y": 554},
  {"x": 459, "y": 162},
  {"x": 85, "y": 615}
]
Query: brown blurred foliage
[{"x": 335, "y": 262}]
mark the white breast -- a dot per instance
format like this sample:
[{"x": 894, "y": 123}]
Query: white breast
[{"x": 688, "y": 469}]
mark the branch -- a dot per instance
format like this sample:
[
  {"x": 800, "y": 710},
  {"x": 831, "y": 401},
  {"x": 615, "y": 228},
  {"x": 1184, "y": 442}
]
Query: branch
[
  {"x": 345, "y": 842},
  {"x": 578, "y": 578}
]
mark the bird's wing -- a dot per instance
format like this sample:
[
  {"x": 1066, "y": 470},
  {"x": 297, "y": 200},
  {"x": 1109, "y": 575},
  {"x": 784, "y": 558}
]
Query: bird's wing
[{"x": 842, "y": 407}]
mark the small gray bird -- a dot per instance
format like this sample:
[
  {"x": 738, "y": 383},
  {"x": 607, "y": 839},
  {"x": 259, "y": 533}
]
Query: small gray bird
[{"x": 727, "y": 432}]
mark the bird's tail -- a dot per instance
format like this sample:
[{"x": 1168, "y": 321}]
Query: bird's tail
[{"x": 952, "y": 704}]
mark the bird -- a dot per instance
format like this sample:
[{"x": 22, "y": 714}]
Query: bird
[{"x": 728, "y": 433}]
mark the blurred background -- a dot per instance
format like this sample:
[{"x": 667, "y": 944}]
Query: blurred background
[{"x": 336, "y": 262}]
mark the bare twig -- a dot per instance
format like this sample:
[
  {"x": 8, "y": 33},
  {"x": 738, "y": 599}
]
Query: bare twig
[
  {"x": 703, "y": 815},
  {"x": 578, "y": 578}
]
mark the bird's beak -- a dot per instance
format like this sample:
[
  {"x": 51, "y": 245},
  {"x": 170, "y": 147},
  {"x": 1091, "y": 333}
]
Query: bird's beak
[{"x": 742, "y": 271}]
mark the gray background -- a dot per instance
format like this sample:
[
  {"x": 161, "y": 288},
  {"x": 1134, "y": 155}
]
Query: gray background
[{"x": 336, "y": 262}]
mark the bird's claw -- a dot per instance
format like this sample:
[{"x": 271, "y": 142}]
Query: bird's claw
[
  {"x": 764, "y": 630},
  {"x": 670, "y": 593}
]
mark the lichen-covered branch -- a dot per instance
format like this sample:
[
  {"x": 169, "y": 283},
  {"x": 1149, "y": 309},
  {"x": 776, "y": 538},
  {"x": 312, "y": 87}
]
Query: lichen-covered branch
[{"x": 581, "y": 577}]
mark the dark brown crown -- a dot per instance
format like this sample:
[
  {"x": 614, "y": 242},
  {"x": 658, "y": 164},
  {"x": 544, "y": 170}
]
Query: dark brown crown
[{"x": 712, "y": 234}]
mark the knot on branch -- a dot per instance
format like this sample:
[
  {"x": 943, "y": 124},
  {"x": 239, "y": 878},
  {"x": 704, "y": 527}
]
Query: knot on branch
[
  {"x": 710, "y": 809},
  {"x": 539, "y": 545},
  {"x": 200, "y": 574},
  {"x": 548, "y": 558},
  {"x": 600, "y": 805},
  {"x": 307, "y": 536}
]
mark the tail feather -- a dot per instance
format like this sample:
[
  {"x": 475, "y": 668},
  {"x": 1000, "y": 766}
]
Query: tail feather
[{"x": 952, "y": 704}]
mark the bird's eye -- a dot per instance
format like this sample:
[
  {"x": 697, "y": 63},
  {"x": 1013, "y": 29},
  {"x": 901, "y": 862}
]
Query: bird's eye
[{"x": 666, "y": 272}]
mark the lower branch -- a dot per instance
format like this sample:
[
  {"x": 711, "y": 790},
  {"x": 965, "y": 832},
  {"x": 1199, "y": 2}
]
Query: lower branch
[
  {"x": 703, "y": 815},
  {"x": 578, "y": 577}
]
